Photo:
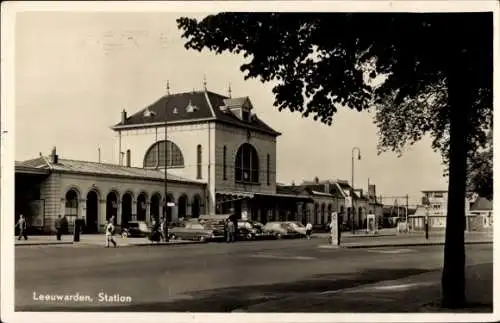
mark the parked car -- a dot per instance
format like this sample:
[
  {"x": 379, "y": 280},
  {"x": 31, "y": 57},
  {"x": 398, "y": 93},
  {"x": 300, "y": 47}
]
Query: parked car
[
  {"x": 136, "y": 229},
  {"x": 280, "y": 230},
  {"x": 261, "y": 233},
  {"x": 251, "y": 230},
  {"x": 192, "y": 230},
  {"x": 298, "y": 227}
]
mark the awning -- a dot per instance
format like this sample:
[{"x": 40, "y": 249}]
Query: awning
[{"x": 234, "y": 194}]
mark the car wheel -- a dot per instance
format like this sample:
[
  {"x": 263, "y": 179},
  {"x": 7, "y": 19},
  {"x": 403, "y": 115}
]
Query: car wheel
[
  {"x": 202, "y": 239},
  {"x": 278, "y": 235},
  {"x": 173, "y": 237},
  {"x": 249, "y": 236}
]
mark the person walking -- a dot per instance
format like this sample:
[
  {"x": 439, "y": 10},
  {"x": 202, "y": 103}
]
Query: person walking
[
  {"x": 23, "y": 227},
  {"x": 59, "y": 225},
  {"x": 309, "y": 228},
  {"x": 110, "y": 231},
  {"x": 163, "y": 228},
  {"x": 230, "y": 229}
]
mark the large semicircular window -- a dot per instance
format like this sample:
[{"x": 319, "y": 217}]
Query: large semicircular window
[
  {"x": 158, "y": 155},
  {"x": 247, "y": 164}
]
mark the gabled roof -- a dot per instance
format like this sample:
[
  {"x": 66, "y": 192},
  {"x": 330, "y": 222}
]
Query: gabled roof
[
  {"x": 203, "y": 106},
  {"x": 101, "y": 169},
  {"x": 482, "y": 204}
]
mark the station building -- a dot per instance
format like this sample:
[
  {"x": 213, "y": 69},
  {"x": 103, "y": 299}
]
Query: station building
[{"x": 184, "y": 155}]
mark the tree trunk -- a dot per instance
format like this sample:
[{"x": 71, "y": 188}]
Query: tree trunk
[{"x": 453, "y": 277}]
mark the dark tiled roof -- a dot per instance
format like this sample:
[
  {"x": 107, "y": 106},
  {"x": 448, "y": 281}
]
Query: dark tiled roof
[
  {"x": 101, "y": 169},
  {"x": 481, "y": 204},
  {"x": 207, "y": 106}
]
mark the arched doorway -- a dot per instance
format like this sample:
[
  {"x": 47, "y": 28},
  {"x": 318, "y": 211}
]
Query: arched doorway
[
  {"x": 71, "y": 208},
  {"x": 322, "y": 217},
  {"x": 195, "y": 206},
  {"x": 126, "y": 209},
  {"x": 316, "y": 213},
  {"x": 329, "y": 214},
  {"x": 182, "y": 206},
  {"x": 112, "y": 206},
  {"x": 141, "y": 207},
  {"x": 154, "y": 211},
  {"x": 92, "y": 216}
]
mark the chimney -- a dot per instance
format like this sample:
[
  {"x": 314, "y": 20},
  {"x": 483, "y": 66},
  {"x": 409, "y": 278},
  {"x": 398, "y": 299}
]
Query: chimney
[
  {"x": 124, "y": 116},
  {"x": 53, "y": 156},
  {"x": 316, "y": 180},
  {"x": 128, "y": 158},
  {"x": 327, "y": 187}
]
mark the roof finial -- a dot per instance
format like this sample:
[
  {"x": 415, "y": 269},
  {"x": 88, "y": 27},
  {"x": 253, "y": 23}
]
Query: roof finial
[
  {"x": 205, "y": 82},
  {"x": 229, "y": 90},
  {"x": 168, "y": 87}
]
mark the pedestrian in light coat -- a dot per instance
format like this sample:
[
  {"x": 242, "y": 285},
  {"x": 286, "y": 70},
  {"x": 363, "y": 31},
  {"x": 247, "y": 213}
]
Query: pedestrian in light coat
[
  {"x": 110, "y": 231},
  {"x": 23, "y": 227}
]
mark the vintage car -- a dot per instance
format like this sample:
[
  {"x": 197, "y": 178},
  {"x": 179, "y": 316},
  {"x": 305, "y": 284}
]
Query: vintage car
[
  {"x": 297, "y": 227},
  {"x": 136, "y": 229},
  {"x": 194, "y": 230},
  {"x": 251, "y": 230},
  {"x": 281, "y": 230}
]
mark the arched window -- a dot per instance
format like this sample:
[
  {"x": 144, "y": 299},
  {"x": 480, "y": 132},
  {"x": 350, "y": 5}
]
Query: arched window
[
  {"x": 268, "y": 169},
  {"x": 71, "y": 203},
  {"x": 247, "y": 164},
  {"x": 198, "y": 162},
  {"x": 155, "y": 156},
  {"x": 224, "y": 163}
]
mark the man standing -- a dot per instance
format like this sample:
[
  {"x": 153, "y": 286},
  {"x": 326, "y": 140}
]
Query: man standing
[
  {"x": 110, "y": 231},
  {"x": 23, "y": 226},
  {"x": 59, "y": 225}
]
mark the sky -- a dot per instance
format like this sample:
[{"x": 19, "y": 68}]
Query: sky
[{"x": 75, "y": 72}]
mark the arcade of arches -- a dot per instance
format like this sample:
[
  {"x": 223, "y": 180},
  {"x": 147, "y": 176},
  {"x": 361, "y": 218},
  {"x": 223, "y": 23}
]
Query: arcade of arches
[{"x": 96, "y": 208}]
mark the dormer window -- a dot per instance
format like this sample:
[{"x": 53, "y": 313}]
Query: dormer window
[
  {"x": 239, "y": 107},
  {"x": 245, "y": 115},
  {"x": 191, "y": 108}
]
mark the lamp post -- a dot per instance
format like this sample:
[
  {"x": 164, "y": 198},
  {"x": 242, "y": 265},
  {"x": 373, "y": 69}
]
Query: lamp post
[
  {"x": 352, "y": 184},
  {"x": 165, "y": 205}
]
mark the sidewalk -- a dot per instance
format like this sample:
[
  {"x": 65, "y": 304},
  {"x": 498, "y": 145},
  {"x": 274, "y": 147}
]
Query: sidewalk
[
  {"x": 92, "y": 239},
  {"x": 419, "y": 293},
  {"x": 408, "y": 240}
]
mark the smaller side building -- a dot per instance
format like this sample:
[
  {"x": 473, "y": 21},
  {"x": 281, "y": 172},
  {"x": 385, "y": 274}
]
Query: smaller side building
[{"x": 49, "y": 186}]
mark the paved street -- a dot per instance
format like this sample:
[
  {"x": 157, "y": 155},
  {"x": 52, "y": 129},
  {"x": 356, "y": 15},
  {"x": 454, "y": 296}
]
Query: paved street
[{"x": 214, "y": 277}]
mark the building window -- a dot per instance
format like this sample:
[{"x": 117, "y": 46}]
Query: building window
[
  {"x": 224, "y": 163},
  {"x": 247, "y": 164},
  {"x": 198, "y": 162},
  {"x": 71, "y": 203},
  {"x": 155, "y": 155},
  {"x": 268, "y": 169}
]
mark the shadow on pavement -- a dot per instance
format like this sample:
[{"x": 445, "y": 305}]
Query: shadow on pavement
[{"x": 232, "y": 298}]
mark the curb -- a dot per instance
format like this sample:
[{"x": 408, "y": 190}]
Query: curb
[
  {"x": 97, "y": 244},
  {"x": 396, "y": 245},
  {"x": 42, "y": 243}
]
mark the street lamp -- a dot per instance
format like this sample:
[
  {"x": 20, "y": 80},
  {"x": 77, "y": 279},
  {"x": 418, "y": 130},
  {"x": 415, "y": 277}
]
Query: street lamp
[
  {"x": 352, "y": 183},
  {"x": 165, "y": 205}
]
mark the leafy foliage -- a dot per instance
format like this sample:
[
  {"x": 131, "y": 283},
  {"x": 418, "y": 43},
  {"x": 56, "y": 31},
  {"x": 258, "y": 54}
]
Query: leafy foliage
[{"x": 425, "y": 73}]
